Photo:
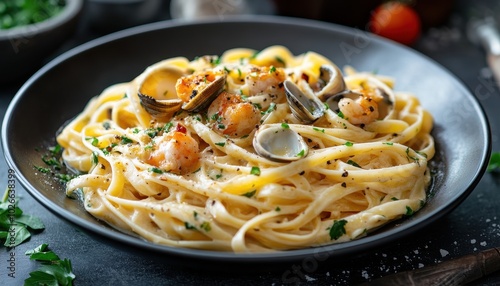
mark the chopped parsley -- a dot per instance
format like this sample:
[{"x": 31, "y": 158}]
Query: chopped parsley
[
  {"x": 255, "y": 171},
  {"x": 409, "y": 211},
  {"x": 351, "y": 162},
  {"x": 319, "y": 130},
  {"x": 126, "y": 140},
  {"x": 272, "y": 69},
  {"x": 222, "y": 144},
  {"x": 337, "y": 229},
  {"x": 189, "y": 226},
  {"x": 94, "y": 141},
  {"x": 340, "y": 114},
  {"x": 168, "y": 126},
  {"x": 285, "y": 125},
  {"x": 272, "y": 107},
  {"x": 301, "y": 153},
  {"x": 249, "y": 194},
  {"x": 277, "y": 209},
  {"x": 348, "y": 144},
  {"x": 155, "y": 170},
  {"x": 388, "y": 143},
  {"x": 206, "y": 226}
]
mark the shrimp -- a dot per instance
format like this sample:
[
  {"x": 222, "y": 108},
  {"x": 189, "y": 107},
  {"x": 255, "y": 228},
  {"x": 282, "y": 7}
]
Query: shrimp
[
  {"x": 232, "y": 116},
  {"x": 176, "y": 152},
  {"x": 266, "y": 80},
  {"x": 362, "y": 111}
]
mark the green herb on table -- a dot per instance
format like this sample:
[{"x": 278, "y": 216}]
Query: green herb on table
[
  {"x": 15, "y": 226},
  {"x": 53, "y": 270},
  {"x": 494, "y": 164}
]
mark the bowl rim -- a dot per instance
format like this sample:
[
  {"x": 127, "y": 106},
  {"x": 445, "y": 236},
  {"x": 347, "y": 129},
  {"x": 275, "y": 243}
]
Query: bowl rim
[{"x": 71, "y": 9}]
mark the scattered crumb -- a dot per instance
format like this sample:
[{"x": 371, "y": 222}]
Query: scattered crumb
[
  {"x": 443, "y": 252},
  {"x": 309, "y": 278},
  {"x": 420, "y": 265},
  {"x": 483, "y": 243},
  {"x": 472, "y": 241}
]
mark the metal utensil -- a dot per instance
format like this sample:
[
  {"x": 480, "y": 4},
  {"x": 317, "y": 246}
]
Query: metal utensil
[{"x": 458, "y": 271}]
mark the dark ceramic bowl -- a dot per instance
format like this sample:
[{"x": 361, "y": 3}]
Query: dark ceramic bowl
[
  {"x": 461, "y": 129},
  {"x": 23, "y": 49}
]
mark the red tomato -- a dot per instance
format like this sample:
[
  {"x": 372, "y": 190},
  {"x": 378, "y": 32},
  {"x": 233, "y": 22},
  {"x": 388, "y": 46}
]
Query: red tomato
[{"x": 396, "y": 21}]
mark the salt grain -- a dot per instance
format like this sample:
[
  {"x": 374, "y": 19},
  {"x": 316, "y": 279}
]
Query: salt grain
[
  {"x": 472, "y": 241},
  {"x": 443, "y": 252},
  {"x": 420, "y": 265},
  {"x": 483, "y": 243},
  {"x": 309, "y": 278}
]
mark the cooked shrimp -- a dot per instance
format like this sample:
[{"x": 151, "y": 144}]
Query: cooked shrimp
[
  {"x": 176, "y": 152},
  {"x": 266, "y": 80},
  {"x": 188, "y": 86},
  {"x": 232, "y": 115},
  {"x": 363, "y": 110}
]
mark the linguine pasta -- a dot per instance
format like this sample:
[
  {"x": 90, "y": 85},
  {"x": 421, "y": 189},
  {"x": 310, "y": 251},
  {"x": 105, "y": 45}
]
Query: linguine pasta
[{"x": 194, "y": 179}]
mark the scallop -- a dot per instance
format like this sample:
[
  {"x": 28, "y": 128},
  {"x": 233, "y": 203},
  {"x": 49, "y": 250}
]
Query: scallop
[
  {"x": 278, "y": 143},
  {"x": 303, "y": 105}
]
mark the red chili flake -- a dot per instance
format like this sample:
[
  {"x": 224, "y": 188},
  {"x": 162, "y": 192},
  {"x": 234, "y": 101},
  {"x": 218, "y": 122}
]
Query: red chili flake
[{"x": 180, "y": 128}]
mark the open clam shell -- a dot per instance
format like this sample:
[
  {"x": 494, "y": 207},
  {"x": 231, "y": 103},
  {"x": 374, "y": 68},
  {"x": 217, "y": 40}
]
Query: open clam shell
[
  {"x": 333, "y": 81},
  {"x": 279, "y": 144},
  {"x": 201, "y": 99},
  {"x": 156, "y": 90},
  {"x": 304, "y": 106}
]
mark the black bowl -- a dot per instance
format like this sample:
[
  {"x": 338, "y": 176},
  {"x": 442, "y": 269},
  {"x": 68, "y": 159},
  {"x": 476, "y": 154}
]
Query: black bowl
[{"x": 54, "y": 95}]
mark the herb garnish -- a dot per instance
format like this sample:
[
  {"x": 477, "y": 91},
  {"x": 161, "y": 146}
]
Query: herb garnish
[
  {"x": 15, "y": 226},
  {"x": 337, "y": 229},
  {"x": 494, "y": 164},
  {"x": 255, "y": 171},
  {"x": 53, "y": 271},
  {"x": 249, "y": 194}
]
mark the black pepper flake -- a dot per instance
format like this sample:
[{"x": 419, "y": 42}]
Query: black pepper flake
[
  {"x": 372, "y": 109},
  {"x": 362, "y": 125},
  {"x": 328, "y": 162},
  {"x": 345, "y": 174},
  {"x": 344, "y": 184},
  {"x": 194, "y": 93},
  {"x": 302, "y": 173}
]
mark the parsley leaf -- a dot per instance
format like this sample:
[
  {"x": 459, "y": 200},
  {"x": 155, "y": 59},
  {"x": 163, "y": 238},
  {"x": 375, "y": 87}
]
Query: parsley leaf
[
  {"x": 15, "y": 226},
  {"x": 337, "y": 229},
  {"x": 53, "y": 270},
  {"x": 255, "y": 171},
  {"x": 494, "y": 164}
]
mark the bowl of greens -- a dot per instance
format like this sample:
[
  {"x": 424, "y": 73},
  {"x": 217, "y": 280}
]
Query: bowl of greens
[{"x": 30, "y": 30}]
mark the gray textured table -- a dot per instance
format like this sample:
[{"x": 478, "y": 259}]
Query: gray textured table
[{"x": 472, "y": 227}]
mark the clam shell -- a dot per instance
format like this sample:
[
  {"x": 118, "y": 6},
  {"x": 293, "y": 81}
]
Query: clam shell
[
  {"x": 204, "y": 97},
  {"x": 159, "y": 108},
  {"x": 279, "y": 144},
  {"x": 333, "y": 79},
  {"x": 304, "y": 107}
]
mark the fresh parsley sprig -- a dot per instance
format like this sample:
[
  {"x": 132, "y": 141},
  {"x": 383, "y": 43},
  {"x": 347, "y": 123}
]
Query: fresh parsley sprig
[
  {"x": 53, "y": 270},
  {"x": 494, "y": 164},
  {"x": 15, "y": 226}
]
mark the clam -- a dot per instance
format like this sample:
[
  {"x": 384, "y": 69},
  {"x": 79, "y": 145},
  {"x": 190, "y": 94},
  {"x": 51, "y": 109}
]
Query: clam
[
  {"x": 200, "y": 99},
  {"x": 279, "y": 143},
  {"x": 156, "y": 90},
  {"x": 332, "y": 81},
  {"x": 304, "y": 105}
]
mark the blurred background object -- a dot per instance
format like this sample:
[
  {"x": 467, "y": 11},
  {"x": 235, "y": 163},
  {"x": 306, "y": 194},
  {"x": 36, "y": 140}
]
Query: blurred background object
[
  {"x": 198, "y": 9},
  {"x": 105, "y": 16},
  {"x": 25, "y": 44},
  {"x": 357, "y": 13}
]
